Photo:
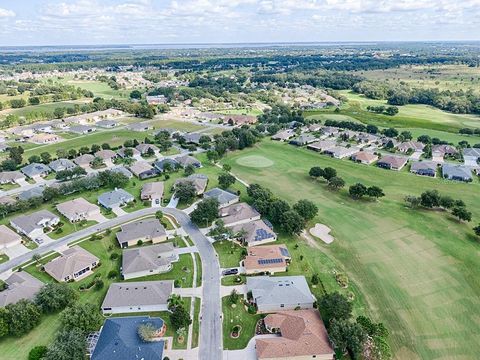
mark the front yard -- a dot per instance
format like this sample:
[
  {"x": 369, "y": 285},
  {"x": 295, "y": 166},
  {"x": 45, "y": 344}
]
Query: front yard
[
  {"x": 229, "y": 253},
  {"x": 237, "y": 316}
]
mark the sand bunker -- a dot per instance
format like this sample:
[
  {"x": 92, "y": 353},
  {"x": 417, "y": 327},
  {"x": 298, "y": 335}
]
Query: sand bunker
[{"x": 322, "y": 232}]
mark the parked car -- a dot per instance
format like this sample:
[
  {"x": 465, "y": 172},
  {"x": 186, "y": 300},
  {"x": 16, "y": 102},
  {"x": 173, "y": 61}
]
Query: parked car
[{"x": 230, "y": 272}]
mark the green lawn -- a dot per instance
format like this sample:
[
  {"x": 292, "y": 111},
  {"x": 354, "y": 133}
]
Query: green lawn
[
  {"x": 3, "y": 258},
  {"x": 229, "y": 253},
  {"x": 46, "y": 108},
  {"x": 196, "y": 323},
  {"x": 416, "y": 271},
  {"x": 233, "y": 316},
  {"x": 198, "y": 261},
  {"x": 231, "y": 280}
]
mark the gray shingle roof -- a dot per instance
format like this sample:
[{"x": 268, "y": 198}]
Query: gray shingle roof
[
  {"x": 222, "y": 196},
  {"x": 72, "y": 261},
  {"x": 147, "y": 258},
  {"x": 21, "y": 285},
  {"x": 35, "y": 169},
  {"x": 30, "y": 222},
  {"x": 61, "y": 164},
  {"x": 456, "y": 172},
  {"x": 142, "y": 293},
  {"x": 140, "y": 229},
  {"x": 115, "y": 198}
]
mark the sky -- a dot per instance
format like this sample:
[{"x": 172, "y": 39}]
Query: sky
[{"x": 99, "y": 22}]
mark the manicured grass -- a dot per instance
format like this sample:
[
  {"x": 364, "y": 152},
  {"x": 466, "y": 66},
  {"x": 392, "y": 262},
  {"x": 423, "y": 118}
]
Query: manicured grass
[
  {"x": 229, "y": 253},
  {"x": 42, "y": 108},
  {"x": 35, "y": 269},
  {"x": 196, "y": 323},
  {"x": 233, "y": 316},
  {"x": 4, "y": 258},
  {"x": 6, "y": 187},
  {"x": 231, "y": 280},
  {"x": 69, "y": 228},
  {"x": 198, "y": 261},
  {"x": 415, "y": 270},
  {"x": 182, "y": 272},
  {"x": 175, "y": 124}
]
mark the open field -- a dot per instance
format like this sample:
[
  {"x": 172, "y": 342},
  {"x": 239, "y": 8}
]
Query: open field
[
  {"x": 418, "y": 116},
  {"x": 416, "y": 271},
  {"x": 48, "y": 107},
  {"x": 97, "y": 87}
]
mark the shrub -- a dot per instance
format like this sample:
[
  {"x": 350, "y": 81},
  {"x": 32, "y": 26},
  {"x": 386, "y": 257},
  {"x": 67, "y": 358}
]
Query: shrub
[
  {"x": 37, "y": 353},
  {"x": 112, "y": 274},
  {"x": 114, "y": 256},
  {"x": 99, "y": 284}
]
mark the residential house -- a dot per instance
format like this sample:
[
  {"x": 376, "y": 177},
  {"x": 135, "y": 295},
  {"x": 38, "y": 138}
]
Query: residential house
[
  {"x": 144, "y": 230},
  {"x": 142, "y": 296},
  {"x": 74, "y": 264},
  {"x": 193, "y": 138},
  {"x": 237, "y": 214},
  {"x": 283, "y": 135},
  {"x": 148, "y": 260},
  {"x": 187, "y": 160},
  {"x": 121, "y": 152},
  {"x": 457, "y": 172},
  {"x": 44, "y": 138},
  {"x": 35, "y": 170},
  {"x": 8, "y": 238},
  {"x": 160, "y": 165},
  {"x": 32, "y": 225},
  {"x": 314, "y": 127},
  {"x": 407, "y": 146},
  {"x": 106, "y": 155},
  {"x": 152, "y": 191},
  {"x": 329, "y": 131},
  {"x": 143, "y": 149},
  {"x": 156, "y": 99},
  {"x": 143, "y": 170},
  {"x": 364, "y": 157},
  {"x": 266, "y": 259},
  {"x": 365, "y": 138},
  {"x": 301, "y": 335},
  {"x": 141, "y": 126},
  {"x": 303, "y": 140},
  {"x": 224, "y": 198},
  {"x": 253, "y": 233},
  {"x": 439, "y": 151},
  {"x": 82, "y": 129},
  {"x": 115, "y": 199},
  {"x": 199, "y": 181},
  {"x": 32, "y": 193},
  {"x": 239, "y": 120},
  {"x": 392, "y": 162},
  {"x": 340, "y": 152},
  {"x": 107, "y": 124},
  {"x": 471, "y": 156},
  {"x": 78, "y": 209},
  {"x": 84, "y": 160},
  {"x": 20, "y": 285},
  {"x": 11, "y": 177},
  {"x": 119, "y": 340},
  {"x": 424, "y": 168},
  {"x": 61, "y": 165},
  {"x": 122, "y": 170},
  {"x": 271, "y": 294},
  {"x": 322, "y": 145}
]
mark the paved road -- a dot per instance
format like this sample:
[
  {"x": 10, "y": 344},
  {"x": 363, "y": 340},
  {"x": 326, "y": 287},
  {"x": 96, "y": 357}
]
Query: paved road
[{"x": 211, "y": 334}]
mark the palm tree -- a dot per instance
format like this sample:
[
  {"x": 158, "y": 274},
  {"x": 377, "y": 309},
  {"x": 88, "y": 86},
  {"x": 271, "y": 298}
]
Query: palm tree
[{"x": 174, "y": 301}]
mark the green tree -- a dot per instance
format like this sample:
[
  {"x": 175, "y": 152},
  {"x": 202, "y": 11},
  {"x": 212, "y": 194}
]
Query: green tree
[
  {"x": 461, "y": 213},
  {"x": 336, "y": 183},
  {"x": 335, "y": 306},
  {"x": 226, "y": 167},
  {"x": 329, "y": 173},
  {"x": 34, "y": 159},
  {"x": 189, "y": 170},
  {"x": 15, "y": 153},
  {"x": 180, "y": 318},
  {"x": 306, "y": 209},
  {"x": 476, "y": 230},
  {"x": 357, "y": 191},
  {"x": 82, "y": 317},
  {"x": 276, "y": 210},
  {"x": 53, "y": 297},
  {"x": 4, "y": 318},
  {"x": 37, "y": 352},
  {"x": 347, "y": 335},
  {"x": 225, "y": 180},
  {"x": 375, "y": 191},
  {"x": 45, "y": 157},
  {"x": 316, "y": 172},
  {"x": 68, "y": 345},
  {"x": 59, "y": 112},
  {"x": 430, "y": 199},
  {"x": 233, "y": 297},
  {"x": 159, "y": 215},
  {"x": 185, "y": 191},
  {"x": 135, "y": 94},
  {"x": 292, "y": 222},
  {"x": 23, "y": 317},
  {"x": 206, "y": 212}
]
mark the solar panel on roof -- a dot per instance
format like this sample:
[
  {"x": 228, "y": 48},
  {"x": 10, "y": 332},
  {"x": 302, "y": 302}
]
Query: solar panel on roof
[
  {"x": 270, "y": 261},
  {"x": 284, "y": 252},
  {"x": 262, "y": 234}
]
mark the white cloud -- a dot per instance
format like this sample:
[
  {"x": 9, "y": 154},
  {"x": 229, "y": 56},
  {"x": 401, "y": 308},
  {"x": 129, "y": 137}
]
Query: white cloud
[{"x": 5, "y": 13}]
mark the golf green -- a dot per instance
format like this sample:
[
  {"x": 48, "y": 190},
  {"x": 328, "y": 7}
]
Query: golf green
[{"x": 254, "y": 161}]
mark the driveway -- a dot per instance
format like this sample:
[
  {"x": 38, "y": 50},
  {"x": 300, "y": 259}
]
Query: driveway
[
  {"x": 119, "y": 211},
  {"x": 22, "y": 182},
  {"x": 437, "y": 159},
  {"x": 17, "y": 250},
  {"x": 98, "y": 218},
  {"x": 188, "y": 292},
  {"x": 186, "y": 250},
  {"x": 416, "y": 155},
  {"x": 227, "y": 290}
]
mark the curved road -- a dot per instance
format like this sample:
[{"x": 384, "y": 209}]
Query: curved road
[{"x": 211, "y": 334}]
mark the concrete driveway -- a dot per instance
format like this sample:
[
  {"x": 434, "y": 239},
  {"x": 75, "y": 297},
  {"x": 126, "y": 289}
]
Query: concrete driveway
[
  {"x": 227, "y": 290},
  {"x": 98, "y": 218},
  {"x": 17, "y": 250},
  {"x": 119, "y": 211},
  {"x": 248, "y": 353},
  {"x": 416, "y": 155}
]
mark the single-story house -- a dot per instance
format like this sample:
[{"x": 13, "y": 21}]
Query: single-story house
[
  {"x": 424, "y": 168},
  {"x": 193, "y": 138},
  {"x": 301, "y": 335},
  {"x": 156, "y": 99},
  {"x": 405, "y": 146},
  {"x": 239, "y": 119},
  {"x": 384, "y": 140},
  {"x": 8, "y": 238},
  {"x": 74, "y": 264},
  {"x": 160, "y": 164},
  {"x": 32, "y": 225},
  {"x": 44, "y": 138},
  {"x": 255, "y": 232},
  {"x": 329, "y": 130},
  {"x": 148, "y": 260},
  {"x": 78, "y": 209},
  {"x": 115, "y": 198},
  {"x": 82, "y": 129},
  {"x": 366, "y": 138},
  {"x": 11, "y": 177},
  {"x": 237, "y": 214},
  {"x": 141, "y": 126},
  {"x": 121, "y": 152},
  {"x": 144, "y": 230},
  {"x": 224, "y": 198},
  {"x": 145, "y": 148},
  {"x": 143, "y": 170},
  {"x": 280, "y": 293},
  {"x": 142, "y": 296},
  {"x": 314, "y": 127},
  {"x": 61, "y": 165},
  {"x": 340, "y": 152},
  {"x": 20, "y": 285},
  {"x": 442, "y": 150},
  {"x": 152, "y": 191},
  {"x": 457, "y": 172},
  {"x": 122, "y": 170},
  {"x": 32, "y": 193},
  {"x": 199, "y": 181},
  {"x": 392, "y": 162},
  {"x": 186, "y": 160},
  {"x": 107, "y": 124},
  {"x": 303, "y": 139},
  {"x": 106, "y": 154},
  {"x": 119, "y": 340},
  {"x": 35, "y": 170},
  {"x": 283, "y": 135},
  {"x": 266, "y": 259},
  {"x": 7, "y": 200},
  {"x": 84, "y": 160},
  {"x": 471, "y": 154},
  {"x": 364, "y": 157},
  {"x": 322, "y": 145}
]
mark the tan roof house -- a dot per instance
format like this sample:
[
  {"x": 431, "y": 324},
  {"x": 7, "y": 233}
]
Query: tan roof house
[
  {"x": 200, "y": 182},
  {"x": 78, "y": 209},
  {"x": 44, "y": 138},
  {"x": 106, "y": 154},
  {"x": 266, "y": 259},
  {"x": 253, "y": 233},
  {"x": 302, "y": 335},
  {"x": 392, "y": 162},
  {"x": 21, "y": 285},
  {"x": 148, "y": 260},
  {"x": 364, "y": 157},
  {"x": 240, "y": 213},
  {"x": 152, "y": 191},
  {"x": 33, "y": 225},
  {"x": 74, "y": 264},
  {"x": 84, "y": 160},
  {"x": 141, "y": 230},
  {"x": 8, "y": 238},
  {"x": 11, "y": 177}
]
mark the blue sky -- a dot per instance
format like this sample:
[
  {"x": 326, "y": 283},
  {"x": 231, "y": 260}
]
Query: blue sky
[{"x": 52, "y": 22}]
